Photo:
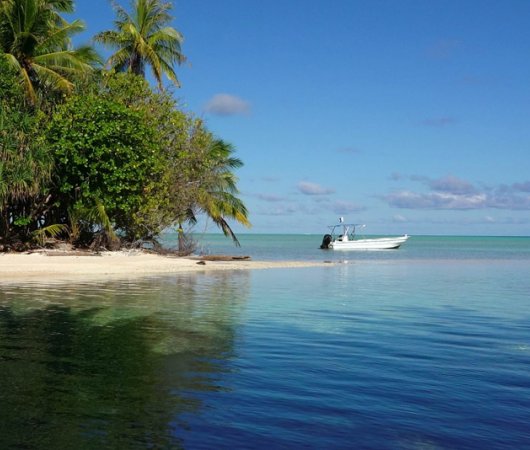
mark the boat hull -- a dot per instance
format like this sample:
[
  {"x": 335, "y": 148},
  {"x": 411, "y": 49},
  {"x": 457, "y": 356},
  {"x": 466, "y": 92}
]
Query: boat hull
[{"x": 369, "y": 244}]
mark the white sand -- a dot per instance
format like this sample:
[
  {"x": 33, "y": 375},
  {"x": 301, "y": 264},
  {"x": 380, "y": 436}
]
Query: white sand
[{"x": 39, "y": 267}]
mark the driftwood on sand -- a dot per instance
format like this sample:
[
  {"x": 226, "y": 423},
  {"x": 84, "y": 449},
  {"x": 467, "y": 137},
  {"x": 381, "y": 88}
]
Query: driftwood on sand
[{"x": 222, "y": 258}]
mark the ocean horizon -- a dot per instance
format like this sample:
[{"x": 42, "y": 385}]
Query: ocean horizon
[
  {"x": 307, "y": 247},
  {"x": 427, "y": 346}
]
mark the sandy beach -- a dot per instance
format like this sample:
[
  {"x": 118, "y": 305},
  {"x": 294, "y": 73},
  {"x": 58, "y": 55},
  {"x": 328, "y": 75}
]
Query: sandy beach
[{"x": 52, "y": 267}]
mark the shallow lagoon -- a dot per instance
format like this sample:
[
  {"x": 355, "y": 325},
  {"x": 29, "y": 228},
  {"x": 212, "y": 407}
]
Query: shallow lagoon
[{"x": 390, "y": 350}]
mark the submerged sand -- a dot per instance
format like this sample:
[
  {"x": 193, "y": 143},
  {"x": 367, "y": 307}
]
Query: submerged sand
[{"x": 50, "y": 267}]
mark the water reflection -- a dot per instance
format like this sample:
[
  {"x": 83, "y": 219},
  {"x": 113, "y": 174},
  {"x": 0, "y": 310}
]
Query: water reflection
[{"x": 114, "y": 365}]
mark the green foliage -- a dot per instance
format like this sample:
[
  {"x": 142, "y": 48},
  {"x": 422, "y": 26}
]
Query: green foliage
[
  {"x": 199, "y": 169},
  {"x": 91, "y": 226},
  {"x": 112, "y": 162},
  {"x": 35, "y": 41},
  {"x": 51, "y": 231},
  {"x": 11, "y": 92},
  {"x": 105, "y": 153},
  {"x": 217, "y": 192},
  {"x": 22, "y": 221},
  {"x": 25, "y": 164},
  {"x": 182, "y": 141},
  {"x": 144, "y": 37}
]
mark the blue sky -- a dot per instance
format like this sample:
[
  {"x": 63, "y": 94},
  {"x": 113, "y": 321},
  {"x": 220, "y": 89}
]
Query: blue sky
[{"x": 410, "y": 116}]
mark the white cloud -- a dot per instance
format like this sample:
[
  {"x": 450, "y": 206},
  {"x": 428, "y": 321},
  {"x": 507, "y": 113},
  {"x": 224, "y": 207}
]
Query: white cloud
[
  {"x": 436, "y": 200},
  {"x": 227, "y": 105},
  {"x": 270, "y": 198},
  {"x": 522, "y": 187},
  {"x": 452, "y": 185},
  {"x": 345, "y": 207},
  {"x": 308, "y": 188},
  {"x": 280, "y": 210},
  {"x": 399, "y": 218},
  {"x": 451, "y": 192}
]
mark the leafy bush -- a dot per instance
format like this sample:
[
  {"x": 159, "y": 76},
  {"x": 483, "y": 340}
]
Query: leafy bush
[{"x": 105, "y": 153}]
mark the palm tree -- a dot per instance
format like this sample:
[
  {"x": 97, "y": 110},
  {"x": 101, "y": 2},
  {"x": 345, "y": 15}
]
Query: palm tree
[
  {"x": 25, "y": 162},
  {"x": 35, "y": 41},
  {"x": 144, "y": 38},
  {"x": 217, "y": 194}
]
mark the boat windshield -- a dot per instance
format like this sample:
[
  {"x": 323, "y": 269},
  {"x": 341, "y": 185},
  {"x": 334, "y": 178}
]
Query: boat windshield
[{"x": 344, "y": 231}]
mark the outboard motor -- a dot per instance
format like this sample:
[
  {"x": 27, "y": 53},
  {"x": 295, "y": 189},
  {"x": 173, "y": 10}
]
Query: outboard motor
[{"x": 326, "y": 241}]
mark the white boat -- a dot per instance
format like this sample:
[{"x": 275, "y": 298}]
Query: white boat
[{"x": 343, "y": 237}]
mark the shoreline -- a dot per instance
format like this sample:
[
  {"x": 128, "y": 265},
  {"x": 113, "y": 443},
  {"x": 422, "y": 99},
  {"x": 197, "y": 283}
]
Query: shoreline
[{"x": 18, "y": 268}]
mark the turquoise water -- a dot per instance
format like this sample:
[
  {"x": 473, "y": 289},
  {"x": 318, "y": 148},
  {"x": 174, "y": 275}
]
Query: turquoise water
[
  {"x": 426, "y": 347},
  {"x": 306, "y": 247}
]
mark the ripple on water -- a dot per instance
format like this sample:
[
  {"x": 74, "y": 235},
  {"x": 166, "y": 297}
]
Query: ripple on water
[{"x": 359, "y": 356}]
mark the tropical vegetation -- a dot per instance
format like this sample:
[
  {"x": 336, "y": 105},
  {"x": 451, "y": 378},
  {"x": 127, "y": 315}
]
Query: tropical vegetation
[
  {"x": 36, "y": 42},
  {"x": 93, "y": 155},
  {"x": 142, "y": 38}
]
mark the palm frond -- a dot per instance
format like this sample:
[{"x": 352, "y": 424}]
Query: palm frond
[
  {"x": 217, "y": 196},
  {"x": 12, "y": 61},
  {"x": 51, "y": 231},
  {"x": 122, "y": 15},
  {"x": 167, "y": 68},
  {"x": 73, "y": 61},
  {"x": 227, "y": 231},
  {"x": 39, "y": 39},
  {"x": 108, "y": 38},
  {"x": 28, "y": 84},
  {"x": 60, "y": 36},
  {"x": 119, "y": 60},
  {"x": 52, "y": 79},
  {"x": 65, "y": 6},
  {"x": 143, "y": 38},
  {"x": 94, "y": 218}
]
